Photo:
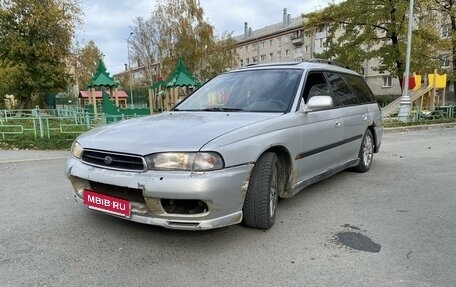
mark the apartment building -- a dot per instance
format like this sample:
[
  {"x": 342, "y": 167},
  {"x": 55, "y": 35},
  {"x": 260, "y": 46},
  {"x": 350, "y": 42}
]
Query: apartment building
[
  {"x": 281, "y": 42},
  {"x": 286, "y": 42}
]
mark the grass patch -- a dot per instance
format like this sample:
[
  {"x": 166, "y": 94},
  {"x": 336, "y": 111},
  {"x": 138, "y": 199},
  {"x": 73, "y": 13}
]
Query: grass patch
[{"x": 56, "y": 142}]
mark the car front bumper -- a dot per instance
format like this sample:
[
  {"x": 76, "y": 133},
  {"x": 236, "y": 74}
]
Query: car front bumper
[{"x": 223, "y": 191}]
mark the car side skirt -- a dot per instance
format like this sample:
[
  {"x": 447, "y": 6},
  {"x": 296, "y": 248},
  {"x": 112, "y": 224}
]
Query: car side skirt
[{"x": 319, "y": 177}]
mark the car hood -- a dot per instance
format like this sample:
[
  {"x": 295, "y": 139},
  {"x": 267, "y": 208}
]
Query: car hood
[{"x": 172, "y": 131}]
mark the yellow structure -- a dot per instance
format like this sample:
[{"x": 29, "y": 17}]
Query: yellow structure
[
  {"x": 435, "y": 96},
  {"x": 438, "y": 81},
  {"x": 417, "y": 82}
]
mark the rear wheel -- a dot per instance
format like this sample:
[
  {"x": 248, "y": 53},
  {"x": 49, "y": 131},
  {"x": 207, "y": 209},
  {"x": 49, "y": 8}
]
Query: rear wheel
[
  {"x": 366, "y": 152},
  {"x": 260, "y": 202}
]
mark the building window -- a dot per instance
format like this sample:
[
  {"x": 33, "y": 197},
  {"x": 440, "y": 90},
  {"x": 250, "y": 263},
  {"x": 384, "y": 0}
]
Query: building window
[
  {"x": 307, "y": 49},
  {"x": 271, "y": 56},
  {"x": 242, "y": 63},
  {"x": 263, "y": 58},
  {"x": 270, "y": 43},
  {"x": 262, "y": 44},
  {"x": 287, "y": 53},
  {"x": 254, "y": 47},
  {"x": 297, "y": 34},
  {"x": 297, "y": 52},
  {"x": 279, "y": 42},
  {"x": 254, "y": 59},
  {"x": 247, "y": 61},
  {"x": 445, "y": 31},
  {"x": 444, "y": 60},
  {"x": 287, "y": 39},
  {"x": 386, "y": 81},
  {"x": 320, "y": 43},
  {"x": 246, "y": 48}
]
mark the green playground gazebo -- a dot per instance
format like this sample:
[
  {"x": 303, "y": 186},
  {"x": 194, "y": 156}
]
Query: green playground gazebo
[
  {"x": 101, "y": 79},
  {"x": 180, "y": 79}
]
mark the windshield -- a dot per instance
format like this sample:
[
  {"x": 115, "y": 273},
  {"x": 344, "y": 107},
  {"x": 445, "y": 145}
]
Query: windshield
[{"x": 251, "y": 91}]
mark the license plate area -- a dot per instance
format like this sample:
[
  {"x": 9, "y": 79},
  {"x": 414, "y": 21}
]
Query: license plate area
[{"x": 106, "y": 203}]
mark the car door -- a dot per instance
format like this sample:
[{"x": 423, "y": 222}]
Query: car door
[
  {"x": 354, "y": 116},
  {"x": 320, "y": 133}
]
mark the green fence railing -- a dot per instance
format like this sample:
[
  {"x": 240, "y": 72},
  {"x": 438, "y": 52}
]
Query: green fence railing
[{"x": 51, "y": 123}]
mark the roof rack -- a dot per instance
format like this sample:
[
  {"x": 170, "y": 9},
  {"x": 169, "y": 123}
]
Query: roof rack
[
  {"x": 269, "y": 64},
  {"x": 329, "y": 62}
]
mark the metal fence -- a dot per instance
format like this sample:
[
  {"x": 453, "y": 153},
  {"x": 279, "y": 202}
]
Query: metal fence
[
  {"x": 418, "y": 115},
  {"x": 51, "y": 123}
]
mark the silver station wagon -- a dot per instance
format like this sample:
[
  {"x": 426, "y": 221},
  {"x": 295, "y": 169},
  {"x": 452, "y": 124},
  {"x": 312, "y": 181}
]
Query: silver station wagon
[{"x": 226, "y": 153}]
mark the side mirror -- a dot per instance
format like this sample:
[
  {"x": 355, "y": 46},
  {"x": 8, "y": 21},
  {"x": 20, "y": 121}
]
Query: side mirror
[{"x": 317, "y": 103}]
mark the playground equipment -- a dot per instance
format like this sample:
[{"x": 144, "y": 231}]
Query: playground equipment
[
  {"x": 101, "y": 79},
  {"x": 164, "y": 95},
  {"x": 424, "y": 98}
]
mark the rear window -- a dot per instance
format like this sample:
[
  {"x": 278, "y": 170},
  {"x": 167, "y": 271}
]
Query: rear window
[{"x": 362, "y": 91}]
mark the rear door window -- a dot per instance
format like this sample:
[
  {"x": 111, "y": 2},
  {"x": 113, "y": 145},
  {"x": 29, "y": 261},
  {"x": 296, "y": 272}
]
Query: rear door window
[
  {"x": 362, "y": 91},
  {"x": 342, "y": 94}
]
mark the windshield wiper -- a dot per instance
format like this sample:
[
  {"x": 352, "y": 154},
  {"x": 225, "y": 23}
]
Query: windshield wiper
[
  {"x": 185, "y": 110},
  {"x": 222, "y": 109}
]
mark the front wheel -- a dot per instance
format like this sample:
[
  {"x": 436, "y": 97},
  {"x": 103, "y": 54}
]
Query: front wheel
[
  {"x": 366, "y": 152},
  {"x": 260, "y": 202}
]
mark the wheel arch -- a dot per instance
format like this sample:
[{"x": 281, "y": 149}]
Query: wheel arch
[
  {"x": 284, "y": 157},
  {"x": 374, "y": 135}
]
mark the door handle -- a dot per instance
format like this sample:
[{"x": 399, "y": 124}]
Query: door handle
[
  {"x": 338, "y": 124},
  {"x": 364, "y": 117}
]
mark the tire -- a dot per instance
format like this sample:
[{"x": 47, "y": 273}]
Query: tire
[
  {"x": 260, "y": 202},
  {"x": 366, "y": 153}
]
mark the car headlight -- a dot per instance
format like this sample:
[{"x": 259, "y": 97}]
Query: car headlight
[
  {"x": 76, "y": 149},
  {"x": 190, "y": 161}
]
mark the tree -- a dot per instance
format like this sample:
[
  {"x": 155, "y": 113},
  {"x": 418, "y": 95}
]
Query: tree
[
  {"x": 145, "y": 45},
  {"x": 217, "y": 58},
  {"x": 177, "y": 29},
  {"x": 364, "y": 29},
  {"x": 86, "y": 63},
  {"x": 35, "y": 41},
  {"x": 447, "y": 8}
]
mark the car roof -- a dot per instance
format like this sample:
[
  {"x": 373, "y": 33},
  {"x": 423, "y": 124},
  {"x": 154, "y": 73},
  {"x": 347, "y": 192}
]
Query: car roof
[{"x": 313, "y": 64}]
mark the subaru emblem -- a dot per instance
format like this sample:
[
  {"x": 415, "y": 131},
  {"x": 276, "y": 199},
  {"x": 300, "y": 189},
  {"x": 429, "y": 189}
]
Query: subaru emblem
[{"x": 108, "y": 160}]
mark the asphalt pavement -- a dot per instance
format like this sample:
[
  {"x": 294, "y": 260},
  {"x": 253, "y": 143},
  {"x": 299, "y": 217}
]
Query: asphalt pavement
[{"x": 392, "y": 226}]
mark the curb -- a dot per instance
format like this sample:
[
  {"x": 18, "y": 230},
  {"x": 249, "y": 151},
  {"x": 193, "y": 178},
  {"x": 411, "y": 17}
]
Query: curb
[{"x": 420, "y": 127}]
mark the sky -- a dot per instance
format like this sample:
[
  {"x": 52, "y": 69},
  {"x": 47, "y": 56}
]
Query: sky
[{"x": 108, "y": 22}]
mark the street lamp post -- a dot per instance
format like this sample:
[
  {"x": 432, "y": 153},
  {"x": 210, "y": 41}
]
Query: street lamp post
[
  {"x": 404, "y": 109},
  {"x": 129, "y": 68}
]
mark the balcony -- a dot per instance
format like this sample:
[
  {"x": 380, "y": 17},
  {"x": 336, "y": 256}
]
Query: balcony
[{"x": 298, "y": 41}]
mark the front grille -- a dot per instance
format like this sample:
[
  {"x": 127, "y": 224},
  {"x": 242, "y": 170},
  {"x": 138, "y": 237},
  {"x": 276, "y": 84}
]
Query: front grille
[
  {"x": 130, "y": 194},
  {"x": 113, "y": 160}
]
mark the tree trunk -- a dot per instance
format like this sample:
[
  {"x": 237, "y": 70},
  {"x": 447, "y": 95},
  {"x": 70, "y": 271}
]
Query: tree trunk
[
  {"x": 399, "y": 62},
  {"x": 453, "y": 54},
  {"x": 25, "y": 102}
]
